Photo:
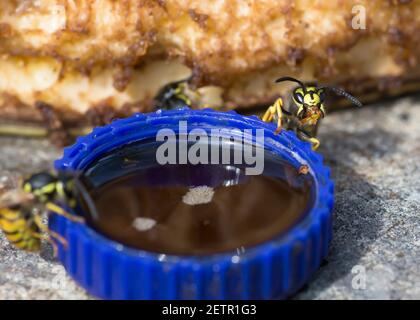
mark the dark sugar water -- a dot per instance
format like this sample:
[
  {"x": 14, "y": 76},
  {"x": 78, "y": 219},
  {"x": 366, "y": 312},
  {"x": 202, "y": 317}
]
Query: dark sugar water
[{"x": 189, "y": 209}]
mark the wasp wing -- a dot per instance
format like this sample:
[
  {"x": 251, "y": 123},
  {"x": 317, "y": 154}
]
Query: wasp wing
[{"x": 14, "y": 197}]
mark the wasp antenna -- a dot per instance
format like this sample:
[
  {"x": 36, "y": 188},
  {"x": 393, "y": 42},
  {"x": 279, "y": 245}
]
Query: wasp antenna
[
  {"x": 289, "y": 79},
  {"x": 345, "y": 94},
  {"x": 282, "y": 79}
]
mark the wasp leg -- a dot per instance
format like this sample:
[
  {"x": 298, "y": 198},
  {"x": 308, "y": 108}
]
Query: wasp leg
[
  {"x": 47, "y": 238},
  {"x": 299, "y": 111},
  {"x": 61, "y": 212},
  {"x": 48, "y": 231},
  {"x": 305, "y": 137},
  {"x": 49, "y": 234},
  {"x": 275, "y": 109}
]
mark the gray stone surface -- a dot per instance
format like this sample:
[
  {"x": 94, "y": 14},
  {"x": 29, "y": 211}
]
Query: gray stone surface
[{"x": 374, "y": 154}]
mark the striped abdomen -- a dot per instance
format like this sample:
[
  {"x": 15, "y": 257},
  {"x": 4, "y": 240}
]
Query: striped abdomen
[{"x": 19, "y": 231}]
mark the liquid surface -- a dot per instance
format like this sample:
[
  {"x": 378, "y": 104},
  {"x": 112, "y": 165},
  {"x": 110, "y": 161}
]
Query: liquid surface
[
  {"x": 198, "y": 220},
  {"x": 194, "y": 210}
]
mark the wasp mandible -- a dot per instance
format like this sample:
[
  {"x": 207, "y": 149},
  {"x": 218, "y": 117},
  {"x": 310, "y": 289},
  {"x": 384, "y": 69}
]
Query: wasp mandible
[{"x": 304, "y": 111}]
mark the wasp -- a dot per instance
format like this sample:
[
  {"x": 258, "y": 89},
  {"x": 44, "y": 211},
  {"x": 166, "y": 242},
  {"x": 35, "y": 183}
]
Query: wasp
[
  {"x": 176, "y": 95},
  {"x": 305, "y": 110},
  {"x": 22, "y": 209}
]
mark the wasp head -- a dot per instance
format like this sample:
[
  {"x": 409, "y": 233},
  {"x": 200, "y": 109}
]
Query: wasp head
[
  {"x": 42, "y": 185},
  {"x": 311, "y": 97}
]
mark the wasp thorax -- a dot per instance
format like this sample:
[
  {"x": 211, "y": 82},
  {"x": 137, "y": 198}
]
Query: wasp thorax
[{"x": 42, "y": 185}]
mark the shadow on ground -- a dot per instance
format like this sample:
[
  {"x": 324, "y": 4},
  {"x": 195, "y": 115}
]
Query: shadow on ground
[{"x": 358, "y": 204}]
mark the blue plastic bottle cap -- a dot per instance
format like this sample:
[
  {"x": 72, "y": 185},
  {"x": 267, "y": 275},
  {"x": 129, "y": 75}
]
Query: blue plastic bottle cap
[{"x": 272, "y": 270}]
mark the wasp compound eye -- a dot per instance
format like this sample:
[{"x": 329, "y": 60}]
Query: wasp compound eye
[
  {"x": 152, "y": 205},
  {"x": 298, "y": 97}
]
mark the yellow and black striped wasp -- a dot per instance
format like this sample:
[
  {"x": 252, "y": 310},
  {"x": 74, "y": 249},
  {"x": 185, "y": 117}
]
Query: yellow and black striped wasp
[
  {"x": 304, "y": 111},
  {"x": 176, "y": 95},
  {"x": 22, "y": 209}
]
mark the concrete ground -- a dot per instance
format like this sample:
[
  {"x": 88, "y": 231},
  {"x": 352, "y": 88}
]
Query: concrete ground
[{"x": 374, "y": 154}]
